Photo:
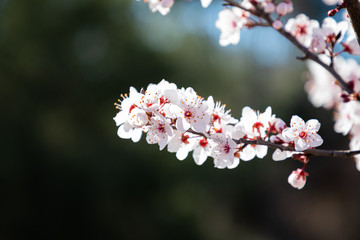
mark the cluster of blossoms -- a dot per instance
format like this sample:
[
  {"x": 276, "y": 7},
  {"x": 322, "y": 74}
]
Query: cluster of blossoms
[{"x": 185, "y": 122}]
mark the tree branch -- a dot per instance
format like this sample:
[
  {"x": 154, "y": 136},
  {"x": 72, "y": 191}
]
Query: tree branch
[
  {"x": 312, "y": 152},
  {"x": 353, "y": 8},
  {"x": 308, "y": 55}
]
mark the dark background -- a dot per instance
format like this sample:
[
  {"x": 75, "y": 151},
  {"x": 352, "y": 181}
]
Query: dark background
[{"x": 64, "y": 172}]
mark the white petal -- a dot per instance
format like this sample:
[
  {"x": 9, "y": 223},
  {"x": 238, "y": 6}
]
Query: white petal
[
  {"x": 301, "y": 145},
  {"x": 261, "y": 151},
  {"x": 124, "y": 131},
  {"x": 199, "y": 155},
  {"x": 279, "y": 155},
  {"x": 288, "y": 134},
  {"x": 313, "y": 125},
  {"x": 163, "y": 142},
  {"x": 247, "y": 153},
  {"x": 182, "y": 125},
  {"x": 315, "y": 140},
  {"x": 136, "y": 134},
  {"x": 182, "y": 153},
  {"x": 297, "y": 122},
  {"x": 234, "y": 164}
]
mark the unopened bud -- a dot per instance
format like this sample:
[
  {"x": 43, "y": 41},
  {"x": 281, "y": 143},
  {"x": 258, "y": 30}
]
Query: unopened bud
[{"x": 332, "y": 12}]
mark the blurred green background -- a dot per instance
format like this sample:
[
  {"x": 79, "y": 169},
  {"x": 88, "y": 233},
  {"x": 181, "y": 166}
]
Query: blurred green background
[{"x": 64, "y": 172}]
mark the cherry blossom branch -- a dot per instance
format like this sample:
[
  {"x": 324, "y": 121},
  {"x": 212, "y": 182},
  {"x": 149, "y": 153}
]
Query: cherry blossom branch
[
  {"x": 312, "y": 152},
  {"x": 308, "y": 55},
  {"x": 353, "y": 8}
]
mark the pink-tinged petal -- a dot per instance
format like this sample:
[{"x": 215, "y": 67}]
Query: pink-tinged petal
[
  {"x": 261, "y": 151},
  {"x": 136, "y": 134},
  {"x": 313, "y": 125},
  {"x": 301, "y": 145},
  {"x": 247, "y": 153},
  {"x": 295, "y": 181},
  {"x": 315, "y": 140}
]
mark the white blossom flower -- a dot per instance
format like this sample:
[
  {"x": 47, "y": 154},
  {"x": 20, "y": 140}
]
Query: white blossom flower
[
  {"x": 230, "y": 22},
  {"x": 130, "y": 119},
  {"x": 224, "y": 151},
  {"x": 297, "y": 179},
  {"x": 303, "y": 134},
  {"x": 221, "y": 121},
  {"x": 301, "y": 28},
  {"x": 347, "y": 115},
  {"x": 254, "y": 122},
  {"x": 323, "y": 91},
  {"x": 351, "y": 46},
  {"x": 181, "y": 143},
  {"x": 159, "y": 132},
  {"x": 328, "y": 33},
  {"x": 191, "y": 112}
]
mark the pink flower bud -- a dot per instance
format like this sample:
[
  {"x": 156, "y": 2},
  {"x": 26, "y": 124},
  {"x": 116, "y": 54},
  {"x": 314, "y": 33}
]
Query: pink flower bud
[
  {"x": 297, "y": 179},
  {"x": 269, "y": 8},
  {"x": 277, "y": 24},
  {"x": 332, "y": 12},
  {"x": 282, "y": 9}
]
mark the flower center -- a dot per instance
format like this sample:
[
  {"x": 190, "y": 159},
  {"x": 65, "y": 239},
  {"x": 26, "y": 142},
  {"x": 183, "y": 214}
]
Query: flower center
[
  {"x": 302, "y": 30},
  {"x": 203, "y": 142},
  {"x": 302, "y": 134},
  {"x": 233, "y": 23},
  {"x": 188, "y": 114},
  {"x": 184, "y": 138},
  {"x": 161, "y": 128},
  {"x": 257, "y": 126},
  {"x": 226, "y": 148}
]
